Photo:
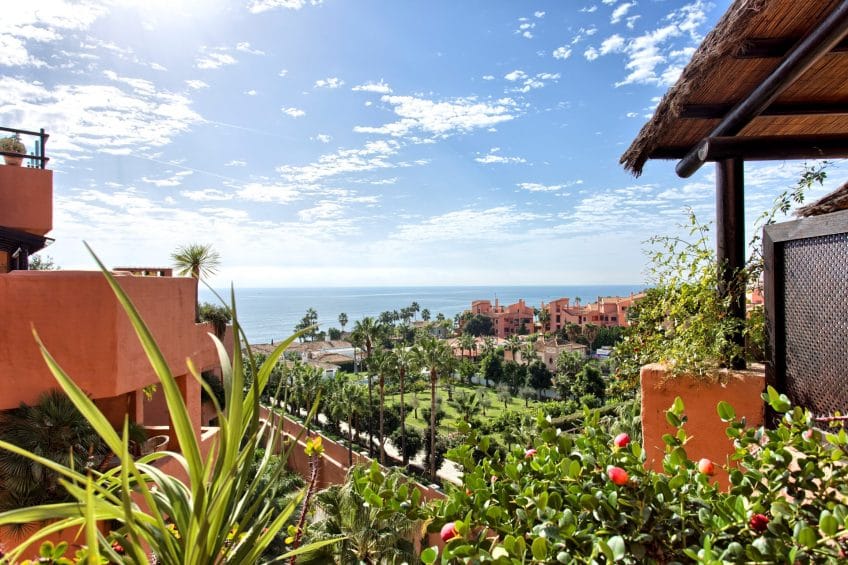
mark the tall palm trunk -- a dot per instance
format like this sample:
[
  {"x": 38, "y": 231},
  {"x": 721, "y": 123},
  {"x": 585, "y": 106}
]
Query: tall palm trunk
[
  {"x": 350, "y": 442},
  {"x": 433, "y": 378},
  {"x": 402, "y": 376},
  {"x": 370, "y": 400},
  {"x": 382, "y": 406}
]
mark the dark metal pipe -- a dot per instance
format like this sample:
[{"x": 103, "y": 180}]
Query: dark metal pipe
[{"x": 730, "y": 242}]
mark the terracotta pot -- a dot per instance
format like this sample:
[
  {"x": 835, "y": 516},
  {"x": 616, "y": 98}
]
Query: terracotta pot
[
  {"x": 13, "y": 161},
  {"x": 742, "y": 389}
]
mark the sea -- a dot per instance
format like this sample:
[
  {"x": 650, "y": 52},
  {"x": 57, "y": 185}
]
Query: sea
[{"x": 268, "y": 314}]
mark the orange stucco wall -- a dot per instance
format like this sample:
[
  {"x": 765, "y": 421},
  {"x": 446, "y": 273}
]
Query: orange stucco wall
[
  {"x": 85, "y": 329},
  {"x": 741, "y": 389},
  {"x": 26, "y": 199}
]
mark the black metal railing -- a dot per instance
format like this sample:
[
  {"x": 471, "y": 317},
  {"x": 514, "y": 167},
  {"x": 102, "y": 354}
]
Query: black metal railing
[{"x": 37, "y": 159}]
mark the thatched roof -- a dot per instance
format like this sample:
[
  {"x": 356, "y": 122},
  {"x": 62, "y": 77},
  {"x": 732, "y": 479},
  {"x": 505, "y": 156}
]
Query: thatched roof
[{"x": 746, "y": 46}]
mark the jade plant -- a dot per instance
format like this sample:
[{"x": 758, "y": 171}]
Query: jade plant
[
  {"x": 588, "y": 497},
  {"x": 221, "y": 515}
]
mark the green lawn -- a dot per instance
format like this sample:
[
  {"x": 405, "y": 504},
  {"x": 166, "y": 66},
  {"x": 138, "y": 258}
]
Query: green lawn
[{"x": 451, "y": 418}]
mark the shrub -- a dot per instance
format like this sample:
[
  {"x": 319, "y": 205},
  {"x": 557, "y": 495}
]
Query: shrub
[
  {"x": 563, "y": 504},
  {"x": 219, "y": 316}
]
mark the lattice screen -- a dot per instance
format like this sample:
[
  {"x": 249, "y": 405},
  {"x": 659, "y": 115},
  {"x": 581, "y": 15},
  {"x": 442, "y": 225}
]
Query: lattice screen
[{"x": 816, "y": 322}]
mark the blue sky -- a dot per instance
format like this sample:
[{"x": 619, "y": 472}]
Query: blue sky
[{"x": 360, "y": 142}]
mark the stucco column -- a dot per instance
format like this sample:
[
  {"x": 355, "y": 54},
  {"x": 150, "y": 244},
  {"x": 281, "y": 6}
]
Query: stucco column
[{"x": 190, "y": 391}]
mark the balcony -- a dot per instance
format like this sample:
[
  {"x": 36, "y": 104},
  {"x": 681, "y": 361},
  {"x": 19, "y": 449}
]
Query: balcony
[
  {"x": 84, "y": 327},
  {"x": 26, "y": 199}
]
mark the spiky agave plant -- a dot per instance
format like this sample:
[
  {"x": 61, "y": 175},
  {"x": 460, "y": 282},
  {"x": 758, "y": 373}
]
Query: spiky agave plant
[{"x": 221, "y": 516}]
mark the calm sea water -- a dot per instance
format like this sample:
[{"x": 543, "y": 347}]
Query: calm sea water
[{"x": 272, "y": 313}]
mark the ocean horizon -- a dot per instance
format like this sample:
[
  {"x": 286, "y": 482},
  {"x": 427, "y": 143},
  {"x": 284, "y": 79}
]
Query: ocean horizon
[{"x": 268, "y": 314}]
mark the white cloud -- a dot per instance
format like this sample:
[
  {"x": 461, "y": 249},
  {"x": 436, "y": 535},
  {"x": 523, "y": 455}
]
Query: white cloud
[
  {"x": 250, "y": 92},
  {"x": 525, "y": 28},
  {"x": 562, "y": 52},
  {"x": 494, "y": 156},
  {"x": 538, "y": 187},
  {"x": 245, "y": 47},
  {"x": 329, "y": 82},
  {"x": 259, "y": 6},
  {"x": 632, "y": 114},
  {"x": 612, "y": 44},
  {"x": 174, "y": 180},
  {"x": 373, "y": 156},
  {"x": 488, "y": 77},
  {"x": 283, "y": 72},
  {"x": 206, "y": 195},
  {"x": 442, "y": 117},
  {"x": 196, "y": 84},
  {"x": 515, "y": 75},
  {"x": 293, "y": 112},
  {"x": 650, "y": 50},
  {"x": 93, "y": 117},
  {"x": 620, "y": 11},
  {"x": 539, "y": 14},
  {"x": 42, "y": 23},
  {"x": 466, "y": 225},
  {"x": 214, "y": 58},
  {"x": 378, "y": 87},
  {"x": 591, "y": 54},
  {"x": 589, "y": 9},
  {"x": 323, "y": 138},
  {"x": 235, "y": 163}
]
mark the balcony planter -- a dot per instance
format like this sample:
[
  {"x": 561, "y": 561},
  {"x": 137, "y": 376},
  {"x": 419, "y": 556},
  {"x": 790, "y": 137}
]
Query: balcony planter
[
  {"x": 742, "y": 389},
  {"x": 13, "y": 145}
]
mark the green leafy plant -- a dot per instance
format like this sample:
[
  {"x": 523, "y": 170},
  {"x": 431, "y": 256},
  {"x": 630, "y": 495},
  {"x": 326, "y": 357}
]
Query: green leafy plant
[
  {"x": 219, "y": 316},
  {"x": 12, "y": 144},
  {"x": 588, "y": 497},
  {"x": 222, "y": 515}
]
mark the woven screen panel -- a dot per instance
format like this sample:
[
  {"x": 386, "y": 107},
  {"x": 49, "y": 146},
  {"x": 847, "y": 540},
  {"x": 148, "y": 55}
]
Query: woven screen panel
[{"x": 816, "y": 323}]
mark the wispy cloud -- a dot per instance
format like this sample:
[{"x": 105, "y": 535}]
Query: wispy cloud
[
  {"x": 196, "y": 84},
  {"x": 562, "y": 52},
  {"x": 329, "y": 82},
  {"x": 442, "y": 118},
  {"x": 494, "y": 156},
  {"x": 211, "y": 58},
  {"x": 259, "y": 6},
  {"x": 528, "y": 83},
  {"x": 538, "y": 187},
  {"x": 174, "y": 180},
  {"x": 620, "y": 12},
  {"x": 378, "y": 87},
  {"x": 245, "y": 47},
  {"x": 372, "y": 156},
  {"x": 293, "y": 112},
  {"x": 465, "y": 225}
]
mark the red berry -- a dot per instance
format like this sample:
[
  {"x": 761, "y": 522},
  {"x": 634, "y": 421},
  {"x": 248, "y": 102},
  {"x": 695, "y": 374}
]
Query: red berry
[
  {"x": 449, "y": 532},
  {"x": 621, "y": 440},
  {"x": 617, "y": 475},
  {"x": 758, "y": 523},
  {"x": 530, "y": 453},
  {"x": 807, "y": 435},
  {"x": 706, "y": 466}
]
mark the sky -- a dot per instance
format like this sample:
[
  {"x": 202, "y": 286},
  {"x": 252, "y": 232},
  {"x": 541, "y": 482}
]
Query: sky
[{"x": 361, "y": 142}]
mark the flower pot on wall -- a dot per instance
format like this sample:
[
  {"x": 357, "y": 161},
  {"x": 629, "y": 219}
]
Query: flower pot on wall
[
  {"x": 741, "y": 389},
  {"x": 13, "y": 161}
]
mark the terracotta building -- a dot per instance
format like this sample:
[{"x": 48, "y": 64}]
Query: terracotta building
[
  {"x": 81, "y": 322},
  {"x": 507, "y": 320}
]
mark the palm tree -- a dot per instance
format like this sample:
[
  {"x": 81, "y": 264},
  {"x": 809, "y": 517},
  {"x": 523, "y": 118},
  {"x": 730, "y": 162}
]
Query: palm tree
[
  {"x": 367, "y": 533},
  {"x": 544, "y": 319},
  {"x": 384, "y": 364},
  {"x": 528, "y": 353},
  {"x": 367, "y": 331},
  {"x": 343, "y": 320},
  {"x": 436, "y": 356},
  {"x": 415, "y": 308},
  {"x": 403, "y": 359},
  {"x": 513, "y": 345},
  {"x": 354, "y": 399},
  {"x": 466, "y": 341},
  {"x": 488, "y": 345},
  {"x": 196, "y": 260},
  {"x": 425, "y": 314}
]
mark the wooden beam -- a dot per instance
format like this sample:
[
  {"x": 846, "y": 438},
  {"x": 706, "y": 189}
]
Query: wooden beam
[
  {"x": 776, "y": 47},
  {"x": 730, "y": 242},
  {"x": 762, "y": 148},
  {"x": 819, "y": 42},
  {"x": 718, "y": 111}
]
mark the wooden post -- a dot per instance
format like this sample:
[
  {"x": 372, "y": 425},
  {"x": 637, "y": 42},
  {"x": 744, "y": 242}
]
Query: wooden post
[{"x": 730, "y": 240}]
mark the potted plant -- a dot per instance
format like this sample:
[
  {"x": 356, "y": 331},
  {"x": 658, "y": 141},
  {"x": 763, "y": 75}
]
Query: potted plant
[
  {"x": 678, "y": 342},
  {"x": 13, "y": 144}
]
